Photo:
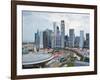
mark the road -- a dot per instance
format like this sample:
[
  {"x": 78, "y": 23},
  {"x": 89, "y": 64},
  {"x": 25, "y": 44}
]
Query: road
[{"x": 81, "y": 63}]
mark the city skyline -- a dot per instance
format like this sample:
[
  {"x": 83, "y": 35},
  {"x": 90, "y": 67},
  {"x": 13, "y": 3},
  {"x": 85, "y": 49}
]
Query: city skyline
[
  {"x": 57, "y": 38},
  {"x": 33, "y": 21}
]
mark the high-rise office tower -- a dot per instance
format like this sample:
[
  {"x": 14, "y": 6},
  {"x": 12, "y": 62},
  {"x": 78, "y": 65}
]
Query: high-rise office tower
[
  {"x": 58, "y": 38},
  {"x": 47, "y": 38},
  {"x": 52, "y": 40},
  {"x": 76, "y": 42},
  {"x": 37, "y": 40},
  {"x": 66, "y": 41},
  {"x": 87, "y": 42},
  {"x": 71, "y": 38},
  {"x": 81, "y": 44},
  {"x": 62, "y": 33},
  {"x": 55, "y": 32},
  {"x": 41, "y": 39}
]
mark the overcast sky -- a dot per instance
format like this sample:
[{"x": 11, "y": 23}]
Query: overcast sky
[{"x": 33, "y": 20}]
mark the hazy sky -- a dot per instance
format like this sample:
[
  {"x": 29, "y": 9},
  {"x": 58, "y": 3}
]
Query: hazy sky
[{"x": 33, "y": 20}]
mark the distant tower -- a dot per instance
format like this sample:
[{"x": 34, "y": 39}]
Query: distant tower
[
  {"x": 58, "y": 38},
  {"x": 62, "y": 33},
  {"x": 87, "y": 40},
  {"x": 71, "y": 38},
  {"x": 47, "y": 38},
  {"x": 66, "y": 41},
  {"x": 55, "y": 31},
  {"x": 52, "y": 40},
  {"x": 41, "y": 39},
  {"x": 81, "y": 44},
  {"x": 37, "y": 40},
  {"x": 76, "y": 42},
  {"x": 49, "y": 32}
]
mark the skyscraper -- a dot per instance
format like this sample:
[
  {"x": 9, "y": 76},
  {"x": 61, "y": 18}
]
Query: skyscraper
[
  {"x": 71, "y": 38},
  {"x": 66, "y": 41},
  {"x": 87, "y": 42},
  {"x": 52, "y": 40},
  {"x": 81, "y": 44},
  {"x": 41, "y": 39},
  {"x": 58, "y": 38},
  {"x": 55, "y": 32},
  {"x": 62, "y": 33},
  {"x": 47, "y": 38},
  {"x": 37, "y": 40},
  {"x": 76, "y": 42}
]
